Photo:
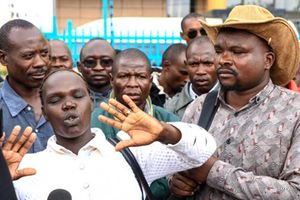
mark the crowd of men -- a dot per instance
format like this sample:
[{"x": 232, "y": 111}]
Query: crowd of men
[{"x": 250, "y": 150}]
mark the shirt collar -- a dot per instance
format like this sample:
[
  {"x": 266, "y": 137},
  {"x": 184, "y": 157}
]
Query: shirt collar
[
  {"x": 192, "y": 93},
  {"x": 14, "y": 102},
  {"x": 97, "y": 143},
  {"x": 155, "y": 76}
]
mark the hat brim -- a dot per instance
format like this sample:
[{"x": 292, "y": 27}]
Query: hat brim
[{"x": 280, "y": 36}]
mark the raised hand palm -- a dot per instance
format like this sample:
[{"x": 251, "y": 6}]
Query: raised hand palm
[{"x": 13, "y": 160}]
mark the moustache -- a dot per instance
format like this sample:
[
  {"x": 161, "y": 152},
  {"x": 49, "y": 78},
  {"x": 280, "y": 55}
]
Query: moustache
[{"x": 227, "y": 70}]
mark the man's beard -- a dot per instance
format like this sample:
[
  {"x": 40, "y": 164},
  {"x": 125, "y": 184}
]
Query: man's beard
[
  {"x": 177, "y": 90},
  {"x": 236, "y": 86}
]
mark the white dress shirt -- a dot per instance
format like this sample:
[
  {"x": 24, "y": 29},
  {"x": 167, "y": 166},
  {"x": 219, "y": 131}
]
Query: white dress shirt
[{"x": 99, "y": 172}]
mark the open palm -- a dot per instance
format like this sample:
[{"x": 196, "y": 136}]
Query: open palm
[
  {"x": 15, "y": 149},
  {"x": 142, "y": 128}
]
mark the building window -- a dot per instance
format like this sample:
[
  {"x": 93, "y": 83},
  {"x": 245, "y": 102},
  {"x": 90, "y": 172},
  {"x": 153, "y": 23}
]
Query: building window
[{"x": 178, "y": 8}]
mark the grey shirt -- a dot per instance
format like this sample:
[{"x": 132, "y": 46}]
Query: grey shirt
[{"x": 258, "y": 147}]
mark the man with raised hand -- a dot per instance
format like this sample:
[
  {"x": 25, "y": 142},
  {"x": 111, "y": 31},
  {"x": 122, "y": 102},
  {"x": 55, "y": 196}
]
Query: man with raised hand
[{"x": 80, "y": 159}]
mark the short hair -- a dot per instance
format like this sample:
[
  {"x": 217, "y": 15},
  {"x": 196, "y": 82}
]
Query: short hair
[
  {"x": 173, "y": 52},
  {"x": 53, "y": 71},
  {"x": 88, "y": 42},
  {"x": 6, "y": 29},
  {"x": 199, "y": 40},
  {"x": 131, "y": 53},
  {"x": 189, "y": 16}
]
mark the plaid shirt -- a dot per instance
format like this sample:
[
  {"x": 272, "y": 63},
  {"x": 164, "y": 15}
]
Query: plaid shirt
[{"x": 258, "y": 147}]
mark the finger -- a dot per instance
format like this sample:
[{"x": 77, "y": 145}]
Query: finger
[
  {"x": 130, "y": 103},
  {"x": 24, "y": 172},
  {"x": 123, "y": 144},
  {"x": 112, "y": 111},
  {"x": 186, "y": 179},
  {"x": 179, "y": 192},
  {"x": 119, "y": 106},
  {"x": 2, "y": 139},
  {"x": 11, "y": 139},
  {"x": 179, "y": 186},
  {"x": 28, "y": 144},
  {"x": 22, "y": 139},
  {"x": 110, "y": 122}
]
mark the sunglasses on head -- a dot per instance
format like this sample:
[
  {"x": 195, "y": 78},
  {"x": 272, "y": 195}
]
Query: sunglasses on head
[
  {"x": 104, "y": 62},
  {"x": 193, "y": 33}
]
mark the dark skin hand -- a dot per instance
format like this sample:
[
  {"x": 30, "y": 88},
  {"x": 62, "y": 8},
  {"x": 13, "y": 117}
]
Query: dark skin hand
[
  {"x": 188, "y": 182},
  {"x": 142, "y": 128},
  {"x": 182, "y": 185}
]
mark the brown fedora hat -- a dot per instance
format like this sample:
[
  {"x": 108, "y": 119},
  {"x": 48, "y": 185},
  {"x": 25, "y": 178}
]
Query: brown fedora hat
[{"x": 275, "y": 30}]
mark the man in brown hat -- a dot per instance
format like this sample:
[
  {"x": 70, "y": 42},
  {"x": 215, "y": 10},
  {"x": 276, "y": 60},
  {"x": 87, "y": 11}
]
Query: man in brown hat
[{"x": 257, "y": 122}]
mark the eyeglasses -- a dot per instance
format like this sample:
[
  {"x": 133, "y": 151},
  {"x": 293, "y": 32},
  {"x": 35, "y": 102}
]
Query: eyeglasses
[
  {"x": 92, "y": 63},
  {"x": 193, "y": 33}
]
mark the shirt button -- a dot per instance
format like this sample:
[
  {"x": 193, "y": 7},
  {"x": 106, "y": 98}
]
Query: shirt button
[
  {"x": 228, "y": 141},
  {"x": 236, "y": 114},
  {"x": 86, "y": 185},
  {"x": 29, "y": 108},
  {"x": 36, "y": 130}
]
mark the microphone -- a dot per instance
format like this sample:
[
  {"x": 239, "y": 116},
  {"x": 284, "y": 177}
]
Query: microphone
[{"x": 59, "y": 194}]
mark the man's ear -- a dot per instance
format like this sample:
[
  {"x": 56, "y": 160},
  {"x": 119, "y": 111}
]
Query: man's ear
[
  {"x": 182, "y": 35},
  {"x": 3, "y": 57},
  {"x": 43, "y": 112},
  {"x": 269, "y": 59},
  {"x": 185, "y": 62},
  {"x": 166, "y": 65},
  {"x": 79, "y": 66},
  {"x": 111, "y": 80}
]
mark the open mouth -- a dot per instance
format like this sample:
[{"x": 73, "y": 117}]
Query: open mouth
[{"x": 71, "y": 120}]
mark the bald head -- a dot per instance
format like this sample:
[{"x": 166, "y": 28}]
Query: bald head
[
  {"x": 128, "y": 55},
  {"x": 60, "y": 55},
  {"x": 97, "y": 45},
  {"x": 5, "y": 30},
  {"x": 199, "y": 41},
  {"x": 191, "y": 27},
  {"x": 172, "y": 53},
  {"x": 188, "y": 17}
]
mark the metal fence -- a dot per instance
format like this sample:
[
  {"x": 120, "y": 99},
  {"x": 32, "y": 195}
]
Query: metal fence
[{"x": 152, "y": 44}]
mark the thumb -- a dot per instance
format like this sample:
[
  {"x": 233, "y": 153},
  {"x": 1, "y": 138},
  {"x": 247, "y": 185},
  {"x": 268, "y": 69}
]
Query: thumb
[
  {"x": 24, "y": 172},
  {"x": 123, "y": 144}
]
